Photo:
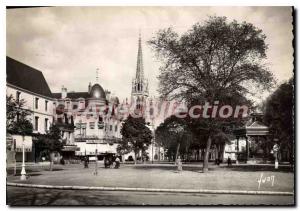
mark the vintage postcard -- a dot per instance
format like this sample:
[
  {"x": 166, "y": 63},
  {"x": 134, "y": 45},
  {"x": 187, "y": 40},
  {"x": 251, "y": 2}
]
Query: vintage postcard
[{"x": 149, "y": 105}]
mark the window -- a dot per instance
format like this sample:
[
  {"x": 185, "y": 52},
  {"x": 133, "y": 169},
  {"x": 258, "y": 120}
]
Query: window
[
  {"x": 46, "y": 105},
  {"x": 116, "y": 128},
  {"x": 36, "y": 123},
  {"x": 110, "y": 127},
  {"x": 59, "y": 120},
  {"x": 92, "y": 125},
  {"x": 46, "y": 124},
  {"x": 36, "y": 103},
  {"x": 81, "y": 105},
  {"x": 18, "y": 96},
  {"x": 68, "y": 105},
  {"x": 77, "y": 125}
]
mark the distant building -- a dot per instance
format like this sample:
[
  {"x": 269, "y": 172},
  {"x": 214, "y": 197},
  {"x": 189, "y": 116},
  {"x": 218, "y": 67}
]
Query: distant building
[
  {"x": 26, "y": 83},
  {"x": 93, "y": 130}
]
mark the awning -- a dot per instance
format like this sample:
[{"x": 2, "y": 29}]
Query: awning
[
  {"x": 70, "y": 148},
  {"x": 18, "y": 143}
]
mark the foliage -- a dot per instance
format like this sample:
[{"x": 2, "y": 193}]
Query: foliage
[
  {"x": 172, "y": 134},
  {"x": 169, "y": 135},
  {"x": 136, "y": 136},
  {"x": 211, "y": 59},
  {"x": 49, "y": 143},
  {"x": 17, "y": 117},
  {"x": 279, "y": 116}
]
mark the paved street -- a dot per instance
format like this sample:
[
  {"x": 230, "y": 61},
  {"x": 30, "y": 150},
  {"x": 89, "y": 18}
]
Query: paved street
[
  {"x": 28, "y": 196},
  {"x": 165, "y": 176},
  {"x": 151, "y": 176}
]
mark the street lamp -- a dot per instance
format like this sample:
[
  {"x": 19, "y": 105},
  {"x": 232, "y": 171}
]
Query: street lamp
[{"x": 23, "y": 171}]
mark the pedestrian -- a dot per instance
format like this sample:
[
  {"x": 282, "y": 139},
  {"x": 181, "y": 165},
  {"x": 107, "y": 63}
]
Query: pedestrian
[
  {"x": 229, "y": 161},
  {"x": 86, "y": 162},
  {"x": 106, "y": 163},
  {"x": 179, "y": 164},
  {"x": 117, "y": 163}
]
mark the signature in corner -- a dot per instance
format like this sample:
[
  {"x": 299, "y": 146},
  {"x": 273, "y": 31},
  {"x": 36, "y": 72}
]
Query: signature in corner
[{"x": 263, "y": 179}]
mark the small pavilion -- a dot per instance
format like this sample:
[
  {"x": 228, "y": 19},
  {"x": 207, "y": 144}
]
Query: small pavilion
[{"x": 255, "y": 134}]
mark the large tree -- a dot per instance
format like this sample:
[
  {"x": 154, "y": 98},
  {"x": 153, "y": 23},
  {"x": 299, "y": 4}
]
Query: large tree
[
  {"x": 214, "y": 60},
  {"x": 279, "y": 115},
  {"x": 136, "y": 136}
]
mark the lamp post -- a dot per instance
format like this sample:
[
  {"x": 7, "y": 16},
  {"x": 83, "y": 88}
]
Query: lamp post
[
  {"x": 152, "y": 150},
  {"x": 23, "y": 171},
  {"x": 96, "y": 163}
]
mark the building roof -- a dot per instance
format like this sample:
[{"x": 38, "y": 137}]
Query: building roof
[
  {"x": 96, "y": 92},
  {"x": 73, "y": 95},
  {"x": 26, "y": 77}
]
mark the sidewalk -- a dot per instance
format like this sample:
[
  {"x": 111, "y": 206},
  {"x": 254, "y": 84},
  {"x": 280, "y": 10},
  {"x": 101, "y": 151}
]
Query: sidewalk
[{"x": 163, "y": 177}]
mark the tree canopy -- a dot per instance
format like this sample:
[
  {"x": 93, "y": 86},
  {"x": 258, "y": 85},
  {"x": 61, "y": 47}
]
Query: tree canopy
[
  {"x": 17, "y": 117},
  {"x": 212, "y": 58},
  {"x": 136, "y": 136},
  {"x": 47, "y": 144},
  {"x": 174, "y": 136},
  {"x": 279, "y": 114}
]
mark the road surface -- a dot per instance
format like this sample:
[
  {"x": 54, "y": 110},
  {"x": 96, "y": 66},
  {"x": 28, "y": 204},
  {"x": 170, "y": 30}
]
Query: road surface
[{"x": 34, "y": 196}]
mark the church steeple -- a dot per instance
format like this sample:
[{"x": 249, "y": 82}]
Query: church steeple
[
  {"x": 139, "y": 66},
  {"x": 139, "y": 91}
]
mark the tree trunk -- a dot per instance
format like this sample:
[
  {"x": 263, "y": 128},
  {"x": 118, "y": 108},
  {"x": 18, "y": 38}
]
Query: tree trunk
[
  {"x": 206, "y": 155},
  {"x": 177, "y": 151},
  {"x": 51, "y": 160},
  {"x": 217, "y": 152},
  {"x": 135, "y": 158}
]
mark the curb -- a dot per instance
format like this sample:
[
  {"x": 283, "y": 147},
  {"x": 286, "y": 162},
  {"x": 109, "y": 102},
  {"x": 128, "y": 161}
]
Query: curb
[{"x": 60, "y": 187}]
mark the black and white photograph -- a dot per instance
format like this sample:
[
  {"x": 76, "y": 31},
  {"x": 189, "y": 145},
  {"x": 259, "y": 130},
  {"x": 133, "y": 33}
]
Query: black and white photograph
[{"x": 150, "y": 106}]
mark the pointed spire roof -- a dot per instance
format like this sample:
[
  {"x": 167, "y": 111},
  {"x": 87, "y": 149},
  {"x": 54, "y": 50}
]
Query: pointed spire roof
[{"x": 139, "y": 66}]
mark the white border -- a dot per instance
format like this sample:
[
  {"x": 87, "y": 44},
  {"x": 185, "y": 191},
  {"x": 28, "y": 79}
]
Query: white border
[{"x": 109, "y": 3}]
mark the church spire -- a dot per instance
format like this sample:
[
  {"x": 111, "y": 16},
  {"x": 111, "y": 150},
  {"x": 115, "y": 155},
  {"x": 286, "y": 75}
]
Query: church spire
[{"x": 139, "y": 66}]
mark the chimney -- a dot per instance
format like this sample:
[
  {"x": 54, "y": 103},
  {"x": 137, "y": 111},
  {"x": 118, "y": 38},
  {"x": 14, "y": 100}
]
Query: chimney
[
  {"x": 63, "y": 92},
  {"x": 90, "y": 87},
  {"x": 107, "y": 93}
]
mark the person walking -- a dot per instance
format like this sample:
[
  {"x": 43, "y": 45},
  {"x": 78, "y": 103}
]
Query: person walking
[
  {"x": 229, "y": 163},
  {"x": 179, "y": 164},
  {"x": 117, "y": 160},
  {"x": 86, "y": 162}
]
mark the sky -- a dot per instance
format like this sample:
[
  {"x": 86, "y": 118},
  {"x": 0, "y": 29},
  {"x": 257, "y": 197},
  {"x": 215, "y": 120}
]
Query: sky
[{"x": 68, "y": 44}]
